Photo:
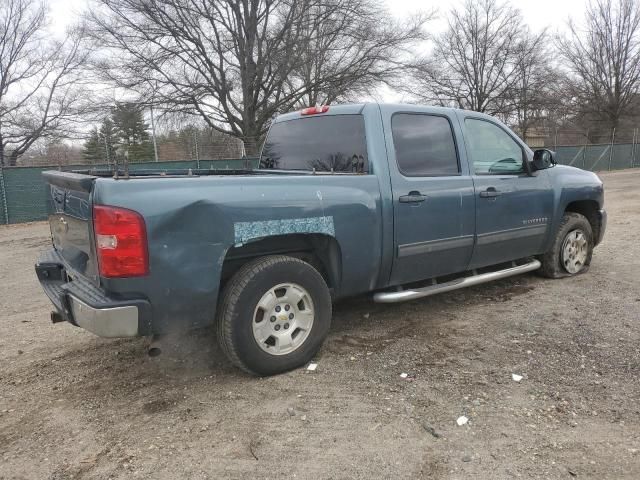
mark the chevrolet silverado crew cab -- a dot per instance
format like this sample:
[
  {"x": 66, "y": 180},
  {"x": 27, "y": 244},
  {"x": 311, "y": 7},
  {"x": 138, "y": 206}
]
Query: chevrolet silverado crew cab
[{"x": 402, "y": 201}]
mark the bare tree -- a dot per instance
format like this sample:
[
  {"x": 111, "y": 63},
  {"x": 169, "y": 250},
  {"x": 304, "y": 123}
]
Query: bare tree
[
  {"x": 39, "y": 78},
  {"x": 473, "y": 63},
  {"x": 237, "y": 64},
  {"x": 603, "y": 59},
  {"x": 352, "y": 47},
  {"x": 537, "y": 88}
]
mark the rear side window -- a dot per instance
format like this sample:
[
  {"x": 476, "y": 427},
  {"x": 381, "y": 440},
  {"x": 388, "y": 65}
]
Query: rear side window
[
  {"x": 333, "y": 142},
  {"x": 424, "y": 145}
]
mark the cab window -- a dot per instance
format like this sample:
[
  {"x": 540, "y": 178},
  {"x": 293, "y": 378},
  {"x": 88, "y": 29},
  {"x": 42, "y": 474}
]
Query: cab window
[
  {"x": 492, "y": 150},
  {"x": 328, "y": 143},
  {"x": 424, "y": 145}
]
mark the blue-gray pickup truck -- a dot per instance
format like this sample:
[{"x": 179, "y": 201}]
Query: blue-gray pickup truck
[{"x": 403, "y": 201}]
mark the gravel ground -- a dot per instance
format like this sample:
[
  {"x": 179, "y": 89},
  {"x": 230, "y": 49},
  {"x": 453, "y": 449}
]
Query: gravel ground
[{"x": 76, "y": 406}]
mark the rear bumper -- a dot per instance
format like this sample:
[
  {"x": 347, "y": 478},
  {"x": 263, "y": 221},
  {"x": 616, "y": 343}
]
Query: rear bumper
[
  {"x": 602, "y": 220},
  {"x": 105, "y": 322},
  {"x": 79, "y": 302}
]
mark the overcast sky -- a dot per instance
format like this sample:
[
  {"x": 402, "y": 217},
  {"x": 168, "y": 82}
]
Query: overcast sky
[{"x": 537, "y": 13}]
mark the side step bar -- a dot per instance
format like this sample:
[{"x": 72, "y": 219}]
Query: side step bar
[{"x": 404, "y": 295}]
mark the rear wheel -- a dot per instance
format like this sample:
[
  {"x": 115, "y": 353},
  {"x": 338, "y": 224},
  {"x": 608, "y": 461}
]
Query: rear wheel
[
  {"x": 274, "y": 314},
  {"x": 572, "y": 248}
]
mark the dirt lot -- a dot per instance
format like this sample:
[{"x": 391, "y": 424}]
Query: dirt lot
[{"x": 76, "y": 406}]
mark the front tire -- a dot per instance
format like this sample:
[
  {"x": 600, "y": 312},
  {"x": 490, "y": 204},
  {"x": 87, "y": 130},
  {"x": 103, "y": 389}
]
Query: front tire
[
  {"x": 274, "y": 315},
  {"x": 572, "y": 248}
]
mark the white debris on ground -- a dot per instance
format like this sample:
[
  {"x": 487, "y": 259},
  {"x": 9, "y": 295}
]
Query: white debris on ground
[
  {"x": 312, "y": 367},
  {"x": 462, "y": 420},
  {"x": 403, "y": 375},
  {"x": 516, "y": 377}
]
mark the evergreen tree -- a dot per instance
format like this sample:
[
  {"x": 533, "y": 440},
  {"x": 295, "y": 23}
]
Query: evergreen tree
[
  {"x": 92, "y": 152},
  {"x": 131, "y": 131},
  {"x": 108, "y": 138},
  {"x": 100, "y": 147}
]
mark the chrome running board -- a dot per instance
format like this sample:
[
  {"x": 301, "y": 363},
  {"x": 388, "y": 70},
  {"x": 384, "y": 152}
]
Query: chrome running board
[{"x": 404, "y": 295}]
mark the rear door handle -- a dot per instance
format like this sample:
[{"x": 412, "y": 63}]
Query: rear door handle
[
  {"x": 413, "y": 197},
  {"x": 490, "y": 192}
]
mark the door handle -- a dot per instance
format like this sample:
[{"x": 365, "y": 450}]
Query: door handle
[
  {"x": 490, "y": 192},
  {"x": 413, "y": 197}
]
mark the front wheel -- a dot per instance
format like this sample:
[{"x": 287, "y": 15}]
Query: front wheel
[
  {"x": 572, "y": 248},
  {"x": 274, "y": 314}
]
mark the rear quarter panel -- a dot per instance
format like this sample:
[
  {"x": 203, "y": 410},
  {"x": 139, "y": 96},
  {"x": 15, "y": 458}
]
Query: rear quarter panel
[{"x": 193, "y": 221}]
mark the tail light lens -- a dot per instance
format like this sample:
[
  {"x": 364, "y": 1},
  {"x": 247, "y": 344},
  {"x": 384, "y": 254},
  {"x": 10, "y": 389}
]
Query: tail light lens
[{"x": 121, "y": 242}]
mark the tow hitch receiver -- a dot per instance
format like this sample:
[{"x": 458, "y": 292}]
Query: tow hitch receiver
[{"x": 50, "y": 271}]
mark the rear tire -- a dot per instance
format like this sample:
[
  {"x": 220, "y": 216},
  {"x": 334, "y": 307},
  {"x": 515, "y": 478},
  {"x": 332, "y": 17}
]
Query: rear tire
[
  {"x": 572, "y": 248},
  {"x": 274, "y": 315}
]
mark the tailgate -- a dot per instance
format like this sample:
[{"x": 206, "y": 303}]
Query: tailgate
[{"x": 69, "y": 208}]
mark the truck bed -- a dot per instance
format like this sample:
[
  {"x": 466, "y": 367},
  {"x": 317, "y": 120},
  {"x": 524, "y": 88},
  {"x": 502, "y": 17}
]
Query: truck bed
[
  {"x": 161, "y": 172},
  {"x": 190, "y": 172}
]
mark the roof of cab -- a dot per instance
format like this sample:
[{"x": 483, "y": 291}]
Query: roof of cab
[
  {"x": 344, "y": 109},
  {"x": 356, "y": 108}
]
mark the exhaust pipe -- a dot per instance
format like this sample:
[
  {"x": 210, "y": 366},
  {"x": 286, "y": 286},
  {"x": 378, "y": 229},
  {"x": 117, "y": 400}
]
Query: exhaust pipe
[{"x": 155, "y": 347}]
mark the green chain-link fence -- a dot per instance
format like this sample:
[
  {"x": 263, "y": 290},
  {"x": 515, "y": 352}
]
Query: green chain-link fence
[
  {"x": 3, "y": 199},
  {"x": 23, "y": 193},
  {"x": 600, "y": 157}
]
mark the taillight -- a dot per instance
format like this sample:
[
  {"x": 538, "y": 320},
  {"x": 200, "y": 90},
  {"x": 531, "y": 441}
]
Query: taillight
[
  {"x": 121, "y": 242},
  {"x": 315, "y": 110}
]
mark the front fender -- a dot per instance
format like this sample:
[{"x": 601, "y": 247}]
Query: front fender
[{"x": 571, "y": 185}]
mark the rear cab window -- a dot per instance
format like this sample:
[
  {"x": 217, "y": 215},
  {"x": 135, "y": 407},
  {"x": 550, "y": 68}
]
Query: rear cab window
[
  {"x": 424, "y": 145},
  {"x": 328, "y": 143}
]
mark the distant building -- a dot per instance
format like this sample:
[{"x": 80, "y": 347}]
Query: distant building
[{"x": 535, "y": 138}]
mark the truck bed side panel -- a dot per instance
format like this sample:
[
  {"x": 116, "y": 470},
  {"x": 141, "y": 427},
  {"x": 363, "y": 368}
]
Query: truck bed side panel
[{"x": 189, "y": 231}]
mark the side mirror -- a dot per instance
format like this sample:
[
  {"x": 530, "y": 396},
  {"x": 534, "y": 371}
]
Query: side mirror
[{"x": 543, "y": 159}]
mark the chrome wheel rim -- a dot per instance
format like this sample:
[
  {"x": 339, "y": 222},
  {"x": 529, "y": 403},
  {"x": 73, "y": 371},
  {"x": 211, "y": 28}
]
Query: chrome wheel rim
[
  {"x": 283, "y": 319},
  {"x": 575, "y": 249}
]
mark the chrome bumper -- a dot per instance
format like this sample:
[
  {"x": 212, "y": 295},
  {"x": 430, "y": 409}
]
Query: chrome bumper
[
  {"x": 105, "y": 322},
  {"x": 85, "y": 305}
]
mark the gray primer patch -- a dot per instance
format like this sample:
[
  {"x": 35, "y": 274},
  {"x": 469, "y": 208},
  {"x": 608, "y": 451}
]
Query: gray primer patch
[{"x": 245, "y": 231}]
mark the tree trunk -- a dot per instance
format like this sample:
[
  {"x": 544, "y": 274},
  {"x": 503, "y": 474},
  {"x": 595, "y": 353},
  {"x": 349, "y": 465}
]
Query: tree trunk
[{"x": 252, "y": 144}]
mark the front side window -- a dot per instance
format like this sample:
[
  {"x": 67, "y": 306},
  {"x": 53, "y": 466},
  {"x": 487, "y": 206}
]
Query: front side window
[
  {"x": 424, "y": 145},
  {"x": 328, "y": 143},
  {"x": 492, "y": 150}
]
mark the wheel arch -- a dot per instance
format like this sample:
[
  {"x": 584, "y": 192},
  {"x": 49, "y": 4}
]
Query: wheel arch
[
  {"x": 322, "y": 251},
  {"x": 589, "y": 209}
]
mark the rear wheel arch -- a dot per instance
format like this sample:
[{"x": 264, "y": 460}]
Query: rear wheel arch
[{"x": 319, "y": 250}]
